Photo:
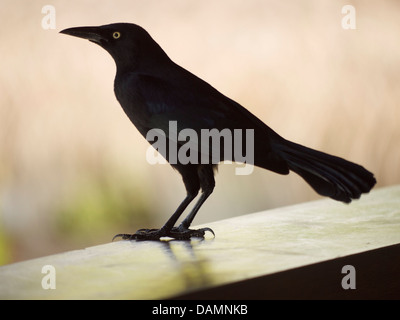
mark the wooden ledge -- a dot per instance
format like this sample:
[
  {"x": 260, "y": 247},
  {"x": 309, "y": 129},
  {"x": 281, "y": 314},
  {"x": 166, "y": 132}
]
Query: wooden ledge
[{"x": 292, "y": 252}]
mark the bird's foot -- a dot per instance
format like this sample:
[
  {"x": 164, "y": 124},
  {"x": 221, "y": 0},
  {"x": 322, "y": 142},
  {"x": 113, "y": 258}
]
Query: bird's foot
[
  {"x": 143, "y": 234},
  {"x": 181, "y": 233},
  {"x": 177, "y": 233}
]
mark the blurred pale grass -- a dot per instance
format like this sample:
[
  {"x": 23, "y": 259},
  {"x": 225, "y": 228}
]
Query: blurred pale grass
[{"x": 73, "y": 170}]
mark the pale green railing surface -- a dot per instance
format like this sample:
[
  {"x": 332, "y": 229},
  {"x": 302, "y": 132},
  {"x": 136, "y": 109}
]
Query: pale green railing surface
[{"x": 246, "y": 247}]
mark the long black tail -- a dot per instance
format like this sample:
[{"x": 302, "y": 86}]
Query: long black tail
[{"x": 328, "y": 175}]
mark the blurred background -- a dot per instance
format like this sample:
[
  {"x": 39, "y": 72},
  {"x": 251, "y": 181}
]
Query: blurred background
[{"x": 73, "y": 170}]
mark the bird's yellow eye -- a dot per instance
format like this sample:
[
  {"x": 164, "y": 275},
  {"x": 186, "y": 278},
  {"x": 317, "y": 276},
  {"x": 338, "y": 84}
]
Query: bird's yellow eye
[{"x": 116, "y": 35}]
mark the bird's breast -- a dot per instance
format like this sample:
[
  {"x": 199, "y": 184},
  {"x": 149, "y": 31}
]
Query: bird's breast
[{"x": 132, "y": 103}]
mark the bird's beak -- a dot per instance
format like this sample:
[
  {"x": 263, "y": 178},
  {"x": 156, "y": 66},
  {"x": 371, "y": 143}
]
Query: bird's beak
[{"x": 93, "y": 34}]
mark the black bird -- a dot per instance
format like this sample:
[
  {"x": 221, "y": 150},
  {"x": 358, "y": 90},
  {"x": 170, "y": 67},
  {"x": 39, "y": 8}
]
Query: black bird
[{"x": 153, "y": 90}]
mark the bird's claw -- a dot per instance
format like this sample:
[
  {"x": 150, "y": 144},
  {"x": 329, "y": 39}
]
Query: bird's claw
[
  {"x": 180, "y": 233},
  {"x": 177, "y": 233},
  {"x": 142, "y": 234}
]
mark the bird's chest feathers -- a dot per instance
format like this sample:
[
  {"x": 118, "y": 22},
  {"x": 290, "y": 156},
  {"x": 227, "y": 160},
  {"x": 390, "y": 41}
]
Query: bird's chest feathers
[{"x": 131, "y": 100}]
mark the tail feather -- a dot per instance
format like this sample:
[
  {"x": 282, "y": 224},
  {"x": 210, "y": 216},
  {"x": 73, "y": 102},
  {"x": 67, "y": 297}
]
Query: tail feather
[{"x": 328, "y": 175}]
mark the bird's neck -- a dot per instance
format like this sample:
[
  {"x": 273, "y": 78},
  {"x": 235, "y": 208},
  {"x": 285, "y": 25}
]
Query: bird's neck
[{"x": 144, "y": 66}]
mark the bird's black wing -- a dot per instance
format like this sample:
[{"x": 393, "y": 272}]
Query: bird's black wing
[{"x": 194, "y": 104}]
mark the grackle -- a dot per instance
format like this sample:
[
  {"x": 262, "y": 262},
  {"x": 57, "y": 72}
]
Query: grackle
[{"x": 153, "y": 91}]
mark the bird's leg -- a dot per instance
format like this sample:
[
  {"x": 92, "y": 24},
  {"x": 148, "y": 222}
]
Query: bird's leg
[
  {"x": 156, "y": 234},
  {"x": 183, "y": 231},
  {"x": 193, "y": 178},
  {"x": 207, "y": 183}
]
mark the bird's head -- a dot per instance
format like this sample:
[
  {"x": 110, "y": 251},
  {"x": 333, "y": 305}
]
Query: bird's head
[{"x": 130, "y": 45}]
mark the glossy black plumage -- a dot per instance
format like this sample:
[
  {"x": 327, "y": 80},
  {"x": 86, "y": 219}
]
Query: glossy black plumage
[{"x": 153, "y": 91}]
